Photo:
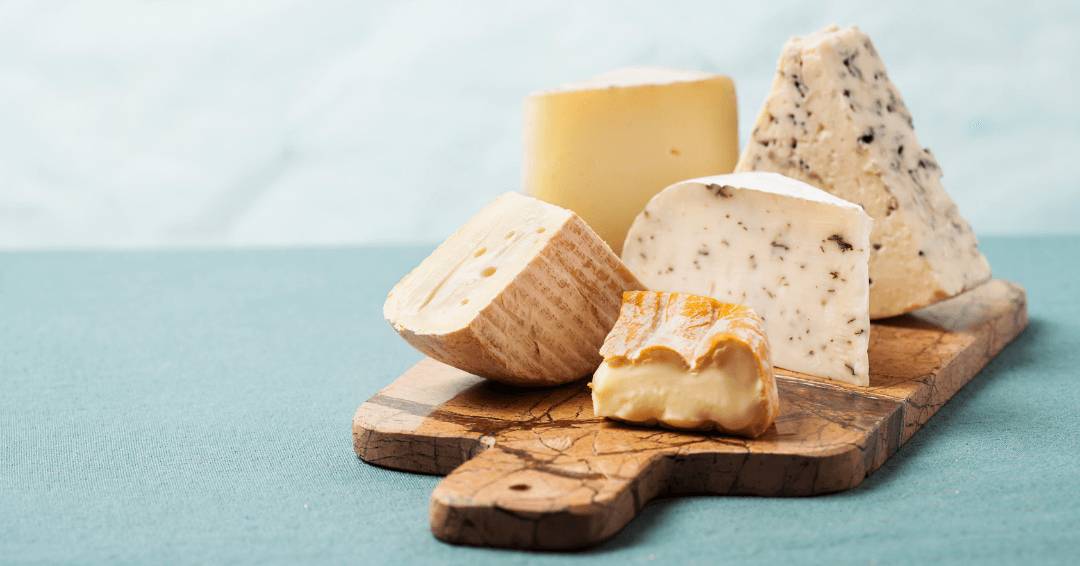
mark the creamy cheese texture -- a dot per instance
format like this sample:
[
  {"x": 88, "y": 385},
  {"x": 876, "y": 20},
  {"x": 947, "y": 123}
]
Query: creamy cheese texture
[
  {"x": 523, "y": 293},
  {"x": 603, "y": 147},
  {"x": 726, "y": 395},
  {"x": 836, "y": 121},
  {"x": 795, "y": 254},
  {"x": 686, "y": 361}
]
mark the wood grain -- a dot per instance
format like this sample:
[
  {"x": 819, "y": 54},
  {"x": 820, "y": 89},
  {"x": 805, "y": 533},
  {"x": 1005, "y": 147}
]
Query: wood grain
[{"x": 534, "y": 469}]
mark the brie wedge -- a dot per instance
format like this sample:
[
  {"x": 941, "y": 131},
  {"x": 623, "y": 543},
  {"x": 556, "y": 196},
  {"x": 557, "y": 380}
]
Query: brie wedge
[{"x": 797, "y": 255}]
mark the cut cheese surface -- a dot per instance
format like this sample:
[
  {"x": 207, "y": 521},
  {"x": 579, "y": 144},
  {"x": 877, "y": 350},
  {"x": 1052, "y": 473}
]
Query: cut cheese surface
[
  {"x": 686, "y": 361},
  {"x": 523, "y": 293},
  {"x": 795, "y": 254},
  {"x": 836, "y": 121},
  {"x": 634, "y": 77},
  {"x": 603, "y": 147}
]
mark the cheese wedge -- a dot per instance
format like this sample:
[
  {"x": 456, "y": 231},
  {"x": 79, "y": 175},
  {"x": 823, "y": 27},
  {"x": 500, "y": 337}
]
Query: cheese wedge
[
  {"x": 523, "y": 293},
  {"x": 686, "y": 361},
  {"x": 836, "y": 121},
  {"x": 603, "y": 147},
  {"x": 795, "y": 254}
]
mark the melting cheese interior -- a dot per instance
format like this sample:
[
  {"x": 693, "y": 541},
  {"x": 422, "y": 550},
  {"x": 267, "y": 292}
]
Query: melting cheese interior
[{"x": 724, "y": 394}]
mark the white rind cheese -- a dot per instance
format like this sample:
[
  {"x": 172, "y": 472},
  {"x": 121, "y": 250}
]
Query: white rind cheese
[
  {"x": 603, "y": 147},
  {"x": 523, "y": 293},
  {"x": 795, "y": 254},
  {"x": 836, "y": 121}
]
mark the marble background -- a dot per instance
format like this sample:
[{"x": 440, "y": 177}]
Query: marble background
[{"x": 139, "y": 124}]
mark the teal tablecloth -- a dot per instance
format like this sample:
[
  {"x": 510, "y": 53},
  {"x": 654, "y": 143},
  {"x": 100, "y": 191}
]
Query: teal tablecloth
[{"x": 195, "y": 407}]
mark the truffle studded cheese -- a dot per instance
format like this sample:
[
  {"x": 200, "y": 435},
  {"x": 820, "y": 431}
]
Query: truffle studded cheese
[
  {"x": 523, "y": 293},
  {"x": 836, "y": 121},
  {"x": 686, "y": 361},
  {"x": 795, "y": 254}
]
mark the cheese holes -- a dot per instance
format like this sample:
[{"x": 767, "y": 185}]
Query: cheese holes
[
  {"x": 480, "y": 251},
  {"x": 488, "y": 271},
  {"x": 510, "y": 234},
  {"x": 541, "y": 230},
  {"x": 465, "y": 301}
]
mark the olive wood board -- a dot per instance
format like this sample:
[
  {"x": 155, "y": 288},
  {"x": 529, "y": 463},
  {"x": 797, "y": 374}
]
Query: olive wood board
[{"x": 536, "y": 469}]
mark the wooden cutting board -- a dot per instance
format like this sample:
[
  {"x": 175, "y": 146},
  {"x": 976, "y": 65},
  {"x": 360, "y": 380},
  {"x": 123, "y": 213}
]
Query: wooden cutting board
[{"x": 535, "y": 469}]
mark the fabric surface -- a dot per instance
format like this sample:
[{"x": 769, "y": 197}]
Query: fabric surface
[{"x": 195, "y": 406}]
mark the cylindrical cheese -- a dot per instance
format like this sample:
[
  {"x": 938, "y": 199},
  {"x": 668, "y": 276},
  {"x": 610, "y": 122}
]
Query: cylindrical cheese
[{"x": 603, "y": 148}]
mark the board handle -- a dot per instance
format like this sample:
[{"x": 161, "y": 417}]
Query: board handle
[{"x": 525, "y": 497}]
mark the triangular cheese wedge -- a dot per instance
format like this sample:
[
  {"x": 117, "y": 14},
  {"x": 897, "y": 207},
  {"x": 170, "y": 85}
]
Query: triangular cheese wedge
[
  {"x": 836, "y": 121},
  {"x": 523, "y": 293},
  {"x": 686, "y": 361}
]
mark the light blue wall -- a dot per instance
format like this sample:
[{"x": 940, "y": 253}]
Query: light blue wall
[{"x": 151, "y": 123}]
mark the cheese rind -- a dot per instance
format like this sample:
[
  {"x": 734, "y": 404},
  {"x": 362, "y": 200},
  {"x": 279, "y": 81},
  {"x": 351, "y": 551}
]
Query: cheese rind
[
  {"x": 795, "y": 254},
  {"x": 523, "y": 293},
  {"x": 836, "y": 121},
  {"x": 603, "y": 147},
  {"x": 686, "y": 361}
]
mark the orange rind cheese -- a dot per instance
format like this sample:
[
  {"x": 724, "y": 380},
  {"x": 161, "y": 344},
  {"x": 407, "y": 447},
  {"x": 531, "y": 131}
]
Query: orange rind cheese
[{"x": 688, "y": 362}]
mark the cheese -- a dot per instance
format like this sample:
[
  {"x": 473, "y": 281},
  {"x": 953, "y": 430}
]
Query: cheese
[
  {"x": 795, "y": 254},
  {"x": 523, "y": 293},
  {"x": 602, "y": 148},
  {"x": 686, "y": 361},
  {"x": 835, "y": 120}
]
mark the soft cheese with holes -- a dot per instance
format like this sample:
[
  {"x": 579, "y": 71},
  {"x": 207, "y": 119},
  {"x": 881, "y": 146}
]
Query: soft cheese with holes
[
  {"x": 795, "y": 254},
  {"x": 836, "y": 121},
  {"x": 523, "y": 293},
  {"x": 603, "y": 147},
  {"x": 686, "y": 361}
]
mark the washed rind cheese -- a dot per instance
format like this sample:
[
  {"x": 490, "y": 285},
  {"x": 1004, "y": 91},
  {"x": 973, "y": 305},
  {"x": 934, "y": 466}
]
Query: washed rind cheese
[
  {"x": 603, "y": 147},
  {"x": 689, "y": 362},
  {"x": 795, "y": 254},
  {"x": 836, "y": 121},
  {"x": 523, "y": 293}
]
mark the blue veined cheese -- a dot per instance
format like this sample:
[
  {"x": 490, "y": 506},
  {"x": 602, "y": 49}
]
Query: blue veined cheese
[
  {"x": 836, "y": 121},
  {"x": 795, "y": 254}
]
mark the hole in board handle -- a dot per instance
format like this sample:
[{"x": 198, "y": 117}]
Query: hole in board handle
[{"x": 520, "y": 487}]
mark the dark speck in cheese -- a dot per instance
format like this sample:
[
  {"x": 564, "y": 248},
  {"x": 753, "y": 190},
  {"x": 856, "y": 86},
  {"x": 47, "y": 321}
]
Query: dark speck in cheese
[{"x": 841, "y": 243}]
